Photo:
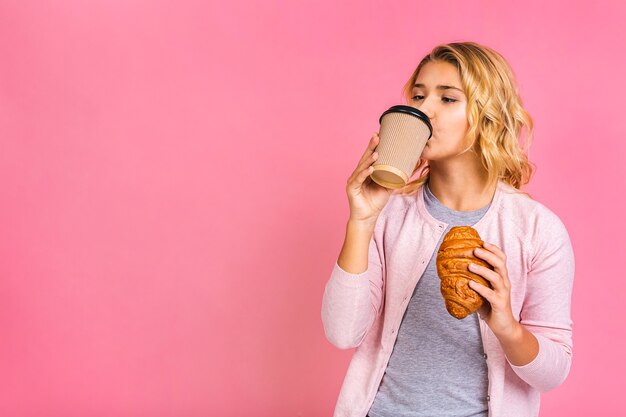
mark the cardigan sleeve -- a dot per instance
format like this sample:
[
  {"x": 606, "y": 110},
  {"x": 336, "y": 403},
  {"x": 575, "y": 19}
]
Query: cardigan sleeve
[
  {"x": 546, "y": 311},
  {"x": 351, "y": 302}
]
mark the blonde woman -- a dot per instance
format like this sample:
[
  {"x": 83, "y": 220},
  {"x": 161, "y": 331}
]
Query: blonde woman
[{"x": 383, "y": 297}]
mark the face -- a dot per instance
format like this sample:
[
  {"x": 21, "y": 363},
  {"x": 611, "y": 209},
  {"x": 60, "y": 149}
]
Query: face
[{"x": 446, "y": 109}]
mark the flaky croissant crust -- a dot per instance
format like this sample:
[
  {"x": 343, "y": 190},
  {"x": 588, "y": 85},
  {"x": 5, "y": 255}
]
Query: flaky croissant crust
[{"x": 453, "y": 258}]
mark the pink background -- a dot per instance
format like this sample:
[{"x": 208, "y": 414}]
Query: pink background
[{"x": 173, "y": 191}]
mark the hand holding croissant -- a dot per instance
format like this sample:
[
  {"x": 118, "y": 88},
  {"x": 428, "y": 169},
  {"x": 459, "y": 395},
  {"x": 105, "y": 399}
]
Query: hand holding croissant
[
  {"x": 471, "y": 272},
  {"x": 455, "y": 255}
]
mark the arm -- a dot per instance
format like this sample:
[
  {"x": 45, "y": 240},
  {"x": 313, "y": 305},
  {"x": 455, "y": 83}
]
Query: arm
[
  {"x": 519, "y": 345},
  {"x": 352, "y": 300},
  {"x": 547, "y": 305},
  {"x": 538, "y": 347}
]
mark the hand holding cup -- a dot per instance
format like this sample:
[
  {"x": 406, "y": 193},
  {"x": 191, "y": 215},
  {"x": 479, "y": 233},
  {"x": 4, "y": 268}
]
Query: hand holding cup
[{"x": 366, "y": 198}]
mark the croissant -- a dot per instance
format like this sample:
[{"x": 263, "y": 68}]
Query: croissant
[{"x": 453, "y": 258}]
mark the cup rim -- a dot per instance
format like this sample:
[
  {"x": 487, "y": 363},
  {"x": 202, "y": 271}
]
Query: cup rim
[{"x": 400, "y": 108}]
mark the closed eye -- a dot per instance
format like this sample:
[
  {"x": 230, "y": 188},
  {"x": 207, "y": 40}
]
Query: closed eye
[{"x": 444, "y": 99}]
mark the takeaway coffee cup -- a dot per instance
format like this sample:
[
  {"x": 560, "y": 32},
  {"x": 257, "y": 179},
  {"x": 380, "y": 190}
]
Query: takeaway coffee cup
[{"x": 404, "y": 131}]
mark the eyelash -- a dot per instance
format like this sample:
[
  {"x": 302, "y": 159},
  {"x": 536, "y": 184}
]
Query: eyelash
[{"x": 450, "y": 100}]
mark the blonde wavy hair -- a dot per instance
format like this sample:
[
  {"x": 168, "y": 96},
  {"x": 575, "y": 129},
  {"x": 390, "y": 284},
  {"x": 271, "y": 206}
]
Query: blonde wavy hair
[{"x": 495, "y": 113}]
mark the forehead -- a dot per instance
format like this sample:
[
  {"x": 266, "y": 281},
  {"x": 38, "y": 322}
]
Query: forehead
[{"x": 435, "y": 73}]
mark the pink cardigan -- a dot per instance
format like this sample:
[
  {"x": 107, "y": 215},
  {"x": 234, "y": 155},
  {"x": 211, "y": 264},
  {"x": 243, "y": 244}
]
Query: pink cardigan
[{"x": 364, "y": 311}]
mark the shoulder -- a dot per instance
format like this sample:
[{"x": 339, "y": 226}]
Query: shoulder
[
  {"x": 546, "y": 234},
  {"x": 528, "y": 212},
  {"x": 541, "y": 229}
]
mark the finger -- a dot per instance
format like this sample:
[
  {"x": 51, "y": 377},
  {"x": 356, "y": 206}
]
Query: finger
[
  {"x": 371, "y": 146},
  {"x": 373, "y": 142},
  {"x": 366, "y": 159},
  {"x": 367, "y": 165},
  {"x": 488, "y": 293},
  {"x": 364, "y": 174},
  {"x": 494, "y": 260},
  {"x": 494, "y": 249},
  {"x": 500, "y": 253},
  {"x": 493, "y": 277},
  {"x": 357, "y": 178}
]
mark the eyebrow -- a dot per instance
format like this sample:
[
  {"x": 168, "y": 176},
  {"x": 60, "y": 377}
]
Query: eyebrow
[{"x": 441, "y": 87}]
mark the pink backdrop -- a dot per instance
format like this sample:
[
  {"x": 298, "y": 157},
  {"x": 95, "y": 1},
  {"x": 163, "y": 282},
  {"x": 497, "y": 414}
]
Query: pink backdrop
[{"x": 173, "y": 191}]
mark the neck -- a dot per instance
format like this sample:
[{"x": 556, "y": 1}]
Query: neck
[{"x": 460, "y": 184}]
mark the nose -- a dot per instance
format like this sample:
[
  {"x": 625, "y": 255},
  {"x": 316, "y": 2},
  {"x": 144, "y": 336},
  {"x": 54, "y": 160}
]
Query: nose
[
  {"x": 427, "y": 109},
  {"x": 427, "y": 112}
]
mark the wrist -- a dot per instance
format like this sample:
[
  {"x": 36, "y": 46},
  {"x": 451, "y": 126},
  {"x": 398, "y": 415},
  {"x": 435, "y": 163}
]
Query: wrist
[
  {"x": 361, "y": 225},
  {"x": 520, "y": 346},
  {"x": 511, "y": 334}
]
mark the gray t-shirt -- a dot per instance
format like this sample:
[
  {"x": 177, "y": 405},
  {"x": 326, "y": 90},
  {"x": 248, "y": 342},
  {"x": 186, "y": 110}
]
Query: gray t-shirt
[{"x": 438, "y": 366}]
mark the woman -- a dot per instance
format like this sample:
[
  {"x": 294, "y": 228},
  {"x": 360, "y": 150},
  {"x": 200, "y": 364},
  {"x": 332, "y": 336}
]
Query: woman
[{"x": 383, "y": 297}]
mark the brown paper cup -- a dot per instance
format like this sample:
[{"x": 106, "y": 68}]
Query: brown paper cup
[{"x": 404, "y": 131}]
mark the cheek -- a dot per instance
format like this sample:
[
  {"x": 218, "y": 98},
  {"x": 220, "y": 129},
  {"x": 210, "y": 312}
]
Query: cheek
[
  {"x": 456, "y": 128},
  {"x": 453, "y": 122},
  {"x": 459, "y": 119}
]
